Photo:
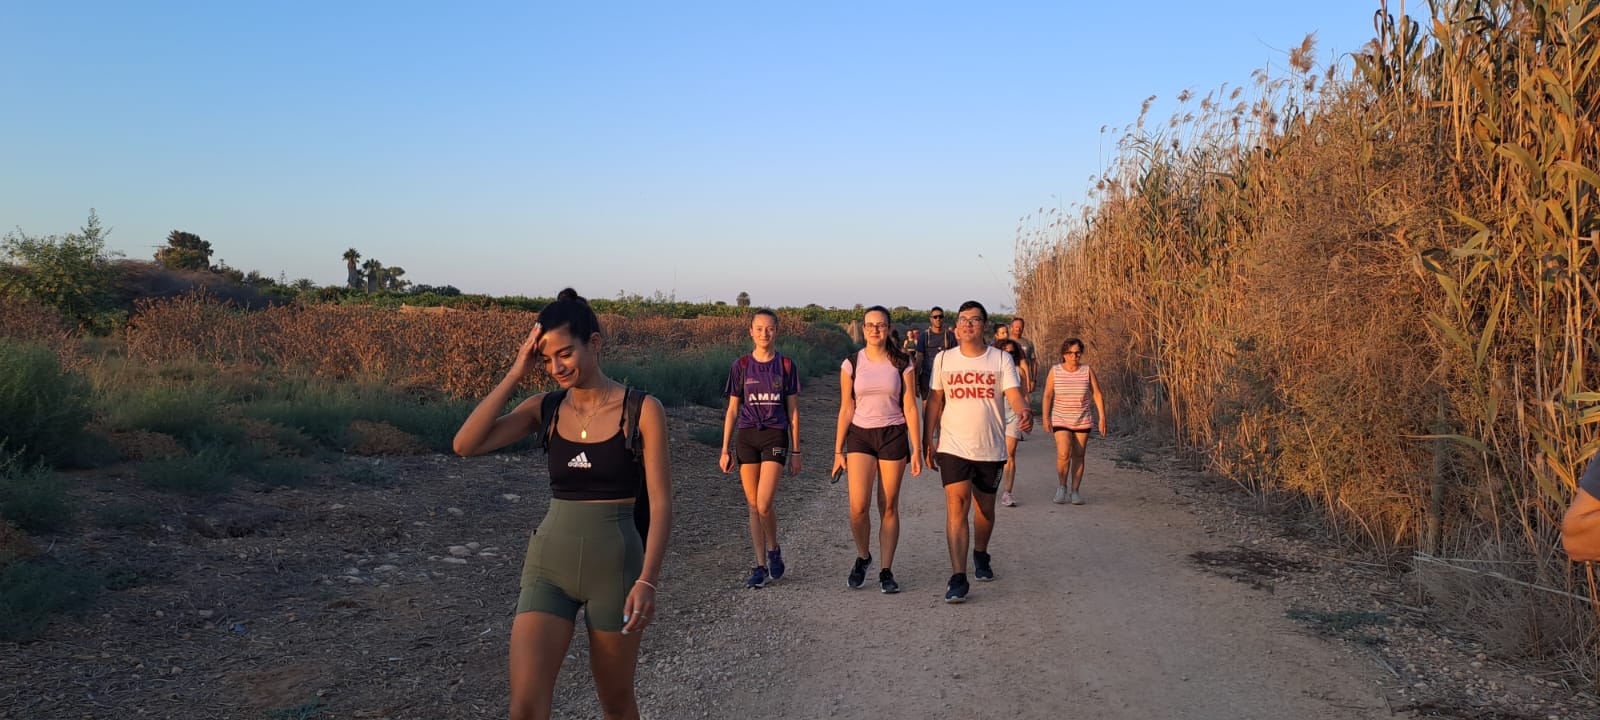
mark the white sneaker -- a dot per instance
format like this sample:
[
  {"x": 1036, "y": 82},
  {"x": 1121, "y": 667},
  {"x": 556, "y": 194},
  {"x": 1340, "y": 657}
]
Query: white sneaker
[
  {"x": 1007, "y": 500},
  {"x": 1061, "y": 496},
  {"x": 1076, "y": 498}
]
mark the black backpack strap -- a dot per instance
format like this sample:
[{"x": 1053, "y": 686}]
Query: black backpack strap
[
  {"x": 632, "y": 438},
  {"x": 548, "y": 409}
]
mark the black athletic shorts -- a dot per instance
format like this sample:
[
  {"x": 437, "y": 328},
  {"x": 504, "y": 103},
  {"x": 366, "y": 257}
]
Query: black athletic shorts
[
  {"x": 983, "y": 474},
  {"x": 884, "y": 443},
  {"x": 753, "y": 446},
  {"x": 1058, "y": 428}
]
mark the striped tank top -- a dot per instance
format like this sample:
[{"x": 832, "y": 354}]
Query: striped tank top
[{"x": 1074, "y": 400}]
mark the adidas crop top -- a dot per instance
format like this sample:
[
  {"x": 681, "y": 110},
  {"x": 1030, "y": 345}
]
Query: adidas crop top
[{"x": 604, "y": 470}]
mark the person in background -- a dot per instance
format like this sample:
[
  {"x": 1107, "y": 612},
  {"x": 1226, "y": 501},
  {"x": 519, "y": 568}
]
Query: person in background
[
  {"x": 1013, "y": 430},
  {"x": 930, "y": 343},
  {"x": 1018, "y": 329},
  {"x": 1068, "y": 395},
  {"x": 1580, "y": 528}
]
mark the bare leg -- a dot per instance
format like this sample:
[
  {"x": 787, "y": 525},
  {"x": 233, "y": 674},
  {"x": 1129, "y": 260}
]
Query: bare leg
[
  {"x": 771, "y": 473},
  {"x": 890, "y": 473},
  {"x": 538, "y": 645},
  {"x": 1080, "y": 443},
  {"x": 982, "y": 520},
  {"x": 750, "y": 476},
  {"x": 957, "y": 502},
  {"x": 613, "y": 657},
  {"x": 863, "y": 471},
  {"x": 1063, "y": 456},
  {"x": 1011, "y": 462}
]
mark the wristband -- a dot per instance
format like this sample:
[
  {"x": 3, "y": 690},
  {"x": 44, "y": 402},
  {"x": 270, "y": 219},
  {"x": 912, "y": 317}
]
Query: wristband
[
  {"x": 647, "y": 584},
  {"x": 794, "y": 452}
]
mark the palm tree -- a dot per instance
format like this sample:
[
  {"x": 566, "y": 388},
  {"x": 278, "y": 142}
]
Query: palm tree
[
  {"x": 392, "y": 277},
  {"x": 374, "y": 270},
  {"x": 352, "y": 276}
]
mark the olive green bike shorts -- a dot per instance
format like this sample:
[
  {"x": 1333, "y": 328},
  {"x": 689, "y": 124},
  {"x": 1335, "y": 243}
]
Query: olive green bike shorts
[{"x": 583, "y": 554}]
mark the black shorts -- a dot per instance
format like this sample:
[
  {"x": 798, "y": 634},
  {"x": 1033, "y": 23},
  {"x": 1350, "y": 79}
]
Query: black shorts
[
  {"x": 983, "y": 474},
  {"x": 884, "y": 443},
  {"x": 754, "y": 446},
  {"x": 1058, "y": 428}
]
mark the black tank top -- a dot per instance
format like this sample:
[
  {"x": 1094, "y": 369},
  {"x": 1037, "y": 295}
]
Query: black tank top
[{"x": 604, "y": 470}]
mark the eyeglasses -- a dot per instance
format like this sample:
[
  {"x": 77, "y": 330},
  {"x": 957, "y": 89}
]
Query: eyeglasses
[
  {"x": 969, "y": 321},
  {"x": 1074, "y": 352},
  {"x": 935, "y": 317},
  {"x": 875, "y": 326}
]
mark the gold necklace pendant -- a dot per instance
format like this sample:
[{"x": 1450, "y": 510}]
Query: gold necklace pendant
[{"x": 583, "y": 432}]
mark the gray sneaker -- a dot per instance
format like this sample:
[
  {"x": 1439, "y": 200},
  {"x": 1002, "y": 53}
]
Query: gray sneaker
[
  {"x": 1061, "y": 496},
  {"x": 1076, "y": 498}
]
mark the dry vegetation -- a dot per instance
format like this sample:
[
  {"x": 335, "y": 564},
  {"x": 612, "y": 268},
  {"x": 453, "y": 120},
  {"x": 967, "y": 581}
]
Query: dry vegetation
[{"x": 1375, "y": 291}]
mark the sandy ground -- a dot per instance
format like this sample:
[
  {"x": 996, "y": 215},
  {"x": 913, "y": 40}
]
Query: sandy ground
[{"x": 1096, "y": 612}]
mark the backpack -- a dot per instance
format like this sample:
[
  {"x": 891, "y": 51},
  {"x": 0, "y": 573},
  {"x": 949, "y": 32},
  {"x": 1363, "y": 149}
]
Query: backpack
[
  {"x": 899, "y": 375},
  {"x": 632, "y": 440}
]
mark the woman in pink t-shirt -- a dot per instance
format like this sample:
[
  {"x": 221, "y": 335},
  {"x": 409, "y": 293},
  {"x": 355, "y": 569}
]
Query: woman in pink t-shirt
[{"x": 878, "y": 433}]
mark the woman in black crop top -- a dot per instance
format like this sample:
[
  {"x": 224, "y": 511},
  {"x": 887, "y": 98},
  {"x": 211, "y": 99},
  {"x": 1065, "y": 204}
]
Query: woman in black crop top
[{"x": 586, "y": 551}]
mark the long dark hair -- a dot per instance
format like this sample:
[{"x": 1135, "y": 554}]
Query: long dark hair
[
  {"x": 570, "y": 311},
  {"x": 897, "y": 354},
  {"x": 1012, "y": 348}
]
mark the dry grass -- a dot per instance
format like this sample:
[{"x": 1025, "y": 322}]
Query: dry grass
[{"x": 1376, "y": 291}]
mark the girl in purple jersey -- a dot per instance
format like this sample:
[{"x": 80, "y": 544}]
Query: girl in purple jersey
[
  {"x": 763, "y": 407},
  {"x": 877, "y": 434}
]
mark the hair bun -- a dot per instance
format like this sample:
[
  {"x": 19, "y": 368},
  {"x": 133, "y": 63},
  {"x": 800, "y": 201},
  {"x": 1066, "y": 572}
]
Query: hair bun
[{"x": 570, "y": 294}]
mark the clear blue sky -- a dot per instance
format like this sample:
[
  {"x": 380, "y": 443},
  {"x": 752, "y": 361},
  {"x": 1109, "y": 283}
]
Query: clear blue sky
[{"x": 837, "y": 153}]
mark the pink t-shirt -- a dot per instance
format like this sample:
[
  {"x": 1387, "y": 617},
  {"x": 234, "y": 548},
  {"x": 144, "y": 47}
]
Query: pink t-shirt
[{"x": 878, "y": 386}]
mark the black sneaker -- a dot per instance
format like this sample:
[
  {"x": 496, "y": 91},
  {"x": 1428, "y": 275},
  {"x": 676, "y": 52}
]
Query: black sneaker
[
  {"x": 957, "y": 592},
  {"x": 980, "y": 566},
  {"x": 858, "y": 573},
  {"x": 886, "y": 579}
]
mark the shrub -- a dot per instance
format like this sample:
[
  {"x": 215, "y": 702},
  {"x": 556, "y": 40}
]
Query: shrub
[
  {"x": 31, "y": 591},
  {"x": 42, "y": 409},
  {"x": 208, "y": 471},
  {"x": 291, "y": 472},
  {"x": 188, "y": 412},
  {"x": 32, "y": 498}
]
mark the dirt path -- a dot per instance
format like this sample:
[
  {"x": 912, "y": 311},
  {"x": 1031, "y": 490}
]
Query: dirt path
[{"x": 1096, "y": 610}]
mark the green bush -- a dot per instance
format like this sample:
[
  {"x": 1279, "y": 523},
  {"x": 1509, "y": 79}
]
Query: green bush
[
  {"x": 707, "y": 435},
  {"x": 324, "y": 411},
  {"x": 32, "y": 591},
  {"x": 208, "y": 471},
  {"x": 42, "y": 409},
  {"x": 189, "y": 412},
  {"x": 32, "y": 497}
]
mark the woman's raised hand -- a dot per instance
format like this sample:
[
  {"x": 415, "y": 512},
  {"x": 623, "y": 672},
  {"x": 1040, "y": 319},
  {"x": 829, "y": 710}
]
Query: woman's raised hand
[{"x": 528, "y": 354}]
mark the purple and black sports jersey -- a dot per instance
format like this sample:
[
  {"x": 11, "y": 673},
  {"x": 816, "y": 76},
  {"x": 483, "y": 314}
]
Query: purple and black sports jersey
[{"x": 762, "y": 388}]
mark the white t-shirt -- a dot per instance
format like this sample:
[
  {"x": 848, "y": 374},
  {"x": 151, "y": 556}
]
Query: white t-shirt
[{"x": 973, "y": 423}]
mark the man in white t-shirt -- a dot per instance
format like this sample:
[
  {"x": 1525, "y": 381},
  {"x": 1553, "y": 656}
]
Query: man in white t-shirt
[{"x": 969, "y": 387}]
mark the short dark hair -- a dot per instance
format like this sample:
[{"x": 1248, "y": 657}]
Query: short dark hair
[
  {"x": 970, "y": 304},
  {"x": 570, "y": 311},
  {"x": 936, "y": 309},
  {"x": 1018, "y": 319},
  {"x": 1068, "y": 343}
]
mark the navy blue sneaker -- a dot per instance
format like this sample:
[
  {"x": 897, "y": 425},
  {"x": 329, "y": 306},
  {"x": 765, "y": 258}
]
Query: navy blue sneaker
[
  {"x": 858, "y": 572},
  {"x": 980, "y": 566},
  {"x": 758, "y": 578},
  {"x": 775, "y": 563},
  {"x": 886, "y": 579},
  {"x": 957, "y": 592}
]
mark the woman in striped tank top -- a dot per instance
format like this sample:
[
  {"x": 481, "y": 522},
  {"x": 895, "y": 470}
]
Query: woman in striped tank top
[{"x": 1072, "y": 385}]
